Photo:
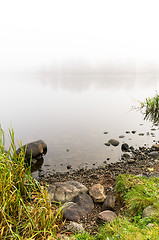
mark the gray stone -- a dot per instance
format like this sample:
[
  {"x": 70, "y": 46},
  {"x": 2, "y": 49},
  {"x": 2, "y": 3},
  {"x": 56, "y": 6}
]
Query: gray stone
[
  {"x": 156, "y": 175},
  {"x": 107, "y": 144},
  {"x": 65, "y": 191},
  {"x": 156, "y": 146},
  {"x": 141, "y": 134},
  {"x": 148, "y": 211},
  {"x": 131, "y": 160},
  {"x": 114, "y": 142},
  {"x": 153, "y": 154},
  {"x": 109, "y": 203},
  {"x": 33, "y": 149},
  {"x": 78, "y": 208},
  {"x": 107, "y": 216},
  {"x": 97, "y": 192},
  {"x": 126, "y": 155},
  {"x": 75, "y": 227}
]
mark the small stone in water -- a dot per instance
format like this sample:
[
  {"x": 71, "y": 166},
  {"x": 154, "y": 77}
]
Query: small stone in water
[
  {"x": 107, "y": 144},
  {"x": 127, "y": 131},
  {"x": 105, "y": 132},
  {"x": 133, "y": 132},
  {"x": 141, "y": 134},
  {"x": 121, "y": 136}
]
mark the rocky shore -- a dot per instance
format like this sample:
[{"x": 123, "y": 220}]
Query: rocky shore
[{"x": 101, "y": 181}]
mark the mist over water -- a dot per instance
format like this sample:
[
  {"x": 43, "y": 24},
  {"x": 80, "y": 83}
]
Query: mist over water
[{"x": 70, "y": 109}]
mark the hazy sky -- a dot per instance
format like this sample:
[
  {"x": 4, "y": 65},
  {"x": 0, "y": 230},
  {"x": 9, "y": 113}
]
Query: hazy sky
[{"x": 37, "y": 33}]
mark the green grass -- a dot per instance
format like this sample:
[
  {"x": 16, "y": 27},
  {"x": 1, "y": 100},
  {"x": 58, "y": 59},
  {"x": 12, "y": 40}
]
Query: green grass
[
  {"x": 150, "y": 108},
  {"x": 135, "y": 193},
  {"x": 25, "y": 208}
]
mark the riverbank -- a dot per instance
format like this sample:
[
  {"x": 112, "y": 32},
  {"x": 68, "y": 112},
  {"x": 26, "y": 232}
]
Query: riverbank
[{"x": 142, "y": 161}]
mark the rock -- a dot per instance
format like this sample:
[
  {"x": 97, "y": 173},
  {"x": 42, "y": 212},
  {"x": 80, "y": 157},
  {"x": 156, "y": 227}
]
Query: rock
[
  {"x": 156, "y": 175},
  {"x": 109, "y": 203},
  {"x": 141, "y": 134},
  {"x": 33, "y": 149},
  {"x": 153, "y": 154},
  {"x": 97, "y": 192},
  {"x": 133, "y": 132},
  {"x": 126, "y": 155},
  {"x": 113, "y": 142},
  {"x": 105, "y": 132},
  {"x": 80, "y": 206},
  {"x": 107, "y": 216},
  {"x": 131, "y": 160},
  {"x": 127, "y": 132},
  {"x": 125, "y": 147},
  {"x": 107, "y": 144},
  {"x": 121, "y": 136},
  {"x": 150, "y": 225},
  {"x": 148, "y": 211},
  {"x": 65, "y": 191},
  {"x": 75, "y": 227},
  {"x": 156, "y": 146}
]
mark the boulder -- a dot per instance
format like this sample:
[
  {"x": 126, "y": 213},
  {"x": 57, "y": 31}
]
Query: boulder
[
  {"x": 125, "y": 147},
  {"x": 107, "y": 216},
  {"x": 33, "y": 149},
  {"x": 113, "y": 142},
  {"x": 80, "y": 206},
  {"x": 97, "y": 192},
  {"x": 65, "y": 191}
]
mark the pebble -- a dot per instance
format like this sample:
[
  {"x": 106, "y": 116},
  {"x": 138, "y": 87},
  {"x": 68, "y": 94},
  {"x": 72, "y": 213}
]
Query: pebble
[
  {"x": 113, "y": 142},
  {"x": 107, "y": 216}
]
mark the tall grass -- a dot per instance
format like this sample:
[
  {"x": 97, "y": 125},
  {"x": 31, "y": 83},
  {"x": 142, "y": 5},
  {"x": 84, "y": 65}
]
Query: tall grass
[
  {"x": 25, "y": 209},
  {"x": 150, "y": 108}
]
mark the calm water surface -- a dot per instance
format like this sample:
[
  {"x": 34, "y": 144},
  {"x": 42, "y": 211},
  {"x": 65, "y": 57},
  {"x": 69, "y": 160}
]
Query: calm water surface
[{"x": 72, "y": 112}]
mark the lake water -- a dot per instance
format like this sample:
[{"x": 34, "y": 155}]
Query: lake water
[{"x": 72, "y": 112}]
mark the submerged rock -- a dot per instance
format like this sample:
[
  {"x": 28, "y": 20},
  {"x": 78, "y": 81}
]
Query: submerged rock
[{"x": 113, "y": 142}]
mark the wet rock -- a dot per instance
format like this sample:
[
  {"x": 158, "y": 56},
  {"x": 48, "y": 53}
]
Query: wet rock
[
  {"x": 97, "y": 192},
  {"x": 153, "y": 154},
  {"x": 141, "y": 134},
  {"x": 133, "y": 132},
  {"x": 69, "y": 167},
  {"x": 126, "y": 155},
  {"x": 65, "y": 191},
  {"x": 75, "y": 227},
  {"x": 107, "y": 144},
  {"x": 107, "y": 216},
  {"x": 131, "y": 160},
  {"x": 80, "y": 206},
  {"x": 127, "y": 132},
  {"x": 121, "y": 136},
  {"x": 109, "y": 203},
  {"x": 148, "y": 211},
  {"x": 125, "y": 147},
  {"x": 105, "y": 132},
  {"x": 113, "y": 142},
  {"x": 33, "y": 149},
  {"x": 156, "y": 146}
]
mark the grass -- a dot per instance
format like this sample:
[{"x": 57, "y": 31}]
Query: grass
[
  {"x": 150, "y": 108},
  {"x": 25, "y": 209},
  {"x": 136, "y": 193}
]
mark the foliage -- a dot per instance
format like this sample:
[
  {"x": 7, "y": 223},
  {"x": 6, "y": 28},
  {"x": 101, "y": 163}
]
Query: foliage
[
  {"x": 150, "y": 108},
  {"x": 137, "y": 192},
  {"x": 25, "y": 208}
]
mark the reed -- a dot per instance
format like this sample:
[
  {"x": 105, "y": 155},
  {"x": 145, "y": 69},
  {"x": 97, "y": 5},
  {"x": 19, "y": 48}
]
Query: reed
[{"x": 25, "y": 209}]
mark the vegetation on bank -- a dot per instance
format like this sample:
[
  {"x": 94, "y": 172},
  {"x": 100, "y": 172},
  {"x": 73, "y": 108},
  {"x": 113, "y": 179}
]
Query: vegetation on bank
[
  {"x": 136, "y": 193},
  {"x": 150, "y": 108},
  {"x": 25, "y": 209}
]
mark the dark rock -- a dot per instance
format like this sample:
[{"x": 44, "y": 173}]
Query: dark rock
[
  {"x": 125, "y": 147},
  {"x": 113, "y": 142},
  {"x": 105, "y": 132},
  {"x": 107, "y": 216},
  {"x": 153, "y": 154},
  {"x": 109, "y": 203},
  {"x": 127, "y": 132},
  {"x": 131, "y": 160},
  {"x": 69, "y": 167},
  {"x": 126, "y": 155},
  {"x": 80, "y": 206},
  {"x": 141, "y": 134},
  {"x": 107, "y": 144},
  {"x": 121, "y": 136},
  {"x": 97, "y": 192},
  {"x": 156, "y": 146},
  {"x": 33, "y": 149},
  {"x": 133, "y": 132}
]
